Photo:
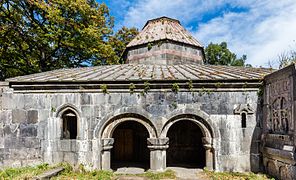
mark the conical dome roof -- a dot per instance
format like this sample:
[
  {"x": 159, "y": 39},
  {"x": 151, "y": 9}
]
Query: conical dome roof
[
  {"x": 163, "y": 28},
  {"x": 164, "y": 41}
]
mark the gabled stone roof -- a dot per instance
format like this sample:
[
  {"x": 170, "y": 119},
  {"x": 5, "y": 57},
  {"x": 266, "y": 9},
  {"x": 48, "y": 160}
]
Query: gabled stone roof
[
  {"x": 141, "y": 72},
  {"x": 163, "y": 28}
]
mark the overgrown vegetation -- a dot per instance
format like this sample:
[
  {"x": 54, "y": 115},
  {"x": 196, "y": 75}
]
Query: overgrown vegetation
[
  {"x": 168, "y": 174},
  {"x": 175, "y": 104},
  {"x": 104, "y": 88},
  {"x": 260, "y": 92},
  {"x": 190, "y": 85},
  {"x": 146, "y": 88},
  {"x": 53, "y": 109},
  {"x": 132, "y": 88},
  {"x": 175, "y": 87},
  {"x": 71, "y": 173},
  {"x": 204, "y": 91},
  {"x": 218, "y": 84},
  {"x": 96, "y": 174},
  {"x": 80, "y": 173},
  {"x": 149, "y": 46},
  {"x": 235, "y": 176},
  {"x": 23, "y": 172}
]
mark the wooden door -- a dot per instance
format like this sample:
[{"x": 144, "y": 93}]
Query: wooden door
[{"x": 123, "y": 144}]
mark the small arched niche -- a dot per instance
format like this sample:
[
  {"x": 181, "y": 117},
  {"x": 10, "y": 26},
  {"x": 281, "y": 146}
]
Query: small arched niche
[
  {"x": 69, "y": 124},
  {"x": 244, "y": 119}
]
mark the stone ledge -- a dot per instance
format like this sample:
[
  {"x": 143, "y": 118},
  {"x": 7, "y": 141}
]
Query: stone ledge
[
  {"x": 48, "y": 174},
  {"x": 279, "y": 154}
]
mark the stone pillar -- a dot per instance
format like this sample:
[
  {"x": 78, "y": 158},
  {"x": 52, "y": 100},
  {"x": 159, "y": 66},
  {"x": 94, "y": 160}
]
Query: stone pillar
[
  {"x": 96, "y": 150},
  {"x": 207, "y": 143},
  {"x": 107, "y": 145},
  {"x": 158, "y": 148}
]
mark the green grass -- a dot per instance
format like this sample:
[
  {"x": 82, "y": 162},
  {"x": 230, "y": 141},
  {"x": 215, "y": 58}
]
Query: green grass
[
  {"x": 23, "y": 172},
  {"x": 235, "y": 176},
  {"x": 80, "y": 173},
  {"x": 85, "y": 175},
  {"x": 168, "y": 174}
]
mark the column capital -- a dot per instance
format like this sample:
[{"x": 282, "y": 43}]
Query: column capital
[
  {"x": 158, "y": 143},
  {"x": 207, "y": 143},
  {"x": 107, "y": 144}
]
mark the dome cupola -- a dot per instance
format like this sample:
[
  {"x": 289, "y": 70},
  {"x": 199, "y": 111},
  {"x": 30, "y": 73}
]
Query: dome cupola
[{"x": 164, "y": 41}]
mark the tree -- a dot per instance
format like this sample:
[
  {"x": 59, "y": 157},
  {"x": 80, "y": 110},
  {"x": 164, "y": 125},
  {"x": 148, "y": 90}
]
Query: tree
[
  {"x": 219, "y": 54},
  {"x": 37, "y": 36},
  {"x": 286, "y": 58},
  {"x": 120, "y": 40}
]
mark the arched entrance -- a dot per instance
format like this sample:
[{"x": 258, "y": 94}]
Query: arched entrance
[
  {"x": 108, "y": 136},
  {"x": 130, "y": 146},
  {"x": 185, "y": 145}
]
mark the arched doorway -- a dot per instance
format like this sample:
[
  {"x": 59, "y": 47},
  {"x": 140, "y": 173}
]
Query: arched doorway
[
  {"x": 185, "y": 145},
  {"x": 130, "y": 146}
]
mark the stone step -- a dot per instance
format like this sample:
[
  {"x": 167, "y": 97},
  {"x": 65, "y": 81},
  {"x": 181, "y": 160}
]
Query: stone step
[
  {"x": 48, "y": 174},
  {"x": 131, "y": 178}
]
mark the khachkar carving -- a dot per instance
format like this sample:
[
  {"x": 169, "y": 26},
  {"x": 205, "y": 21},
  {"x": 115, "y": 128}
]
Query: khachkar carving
[
  {"x": 280, "y": 107},
  {"x": 280, "y": 115}
]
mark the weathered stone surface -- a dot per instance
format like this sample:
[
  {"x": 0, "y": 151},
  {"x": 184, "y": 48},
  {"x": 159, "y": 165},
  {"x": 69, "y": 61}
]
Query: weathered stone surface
[
  {"x": 5, "y": 116},
  {"x": 70, "y": 157},
  {"x": 19, "y": 115},
  {"x": 86, "y": 99},
  {"x": 28, "y": 130},
  {"x": 279, "y": 124},
  {"x": 32, "y": 116}
]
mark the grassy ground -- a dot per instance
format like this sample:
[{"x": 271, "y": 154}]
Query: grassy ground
[
  {"x": 23, "y": 172},
  {"x": 81, "y": 173},
  {"x": 235, "y": 176},
  {"x": 78, "y": 174}
]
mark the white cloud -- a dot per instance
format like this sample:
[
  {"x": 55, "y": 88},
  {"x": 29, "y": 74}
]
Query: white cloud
[
  {"x": 262, "y": 32},
  {"x": 184, "y": 10}
]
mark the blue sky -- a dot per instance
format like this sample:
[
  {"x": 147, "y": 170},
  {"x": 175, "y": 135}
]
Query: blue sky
[{"x": 261, "y": 29}]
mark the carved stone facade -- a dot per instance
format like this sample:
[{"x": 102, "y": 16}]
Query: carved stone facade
[
  {"x": 227, "y": 146},
  {"x": 279, "y": 124}
]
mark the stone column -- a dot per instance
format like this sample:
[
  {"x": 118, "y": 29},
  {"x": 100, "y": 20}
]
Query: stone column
[
  {"x": 158, "y": 148},
  {"x": 207, "y": 143},
  {"x": 107, "y": 145}
]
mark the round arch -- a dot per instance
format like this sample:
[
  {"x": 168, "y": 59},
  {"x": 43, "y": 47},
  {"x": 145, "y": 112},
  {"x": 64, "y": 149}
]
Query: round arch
[
  {"x": 109, "y": 127},
  {"x": 105, "y": 134},
  {"x": 207, "y": 135},
  {"x": 203, "y": 125}
]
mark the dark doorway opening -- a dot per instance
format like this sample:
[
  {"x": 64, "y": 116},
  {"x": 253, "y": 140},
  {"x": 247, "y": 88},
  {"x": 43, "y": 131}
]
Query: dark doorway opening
[
  {"x": 69, "y": 125},
  {"x": 130, "y": 146},
  {"x": 185, "y": 145}
]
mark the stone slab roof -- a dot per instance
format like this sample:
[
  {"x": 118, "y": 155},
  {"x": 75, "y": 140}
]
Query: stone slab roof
[
  {"x": 141, "y": 72},
  {"x": 163, "y": 28}
]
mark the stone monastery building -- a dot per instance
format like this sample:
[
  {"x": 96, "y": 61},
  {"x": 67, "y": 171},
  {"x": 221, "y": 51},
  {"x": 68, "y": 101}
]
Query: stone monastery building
[{"x": 164, "y": 107}]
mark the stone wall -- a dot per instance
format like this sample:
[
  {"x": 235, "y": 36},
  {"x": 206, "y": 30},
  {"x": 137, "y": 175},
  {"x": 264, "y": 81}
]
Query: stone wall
[
  {"x": 279, "y": 135},
  {"x": 165, "y": 52},
  {"x": 31, "y": 125}
]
